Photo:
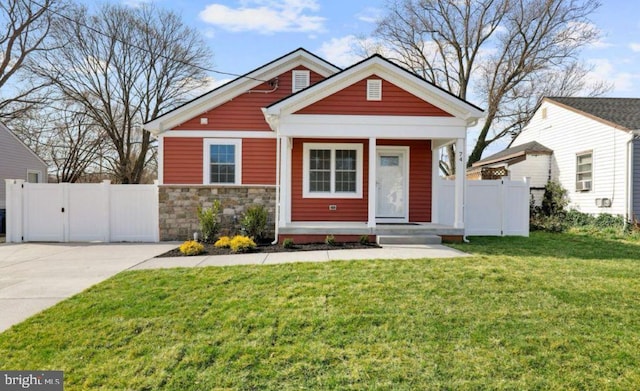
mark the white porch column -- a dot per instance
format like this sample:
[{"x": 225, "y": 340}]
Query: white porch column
[
  {"x": 461, "y": 159},
  {"x": 285, "y": 186},
  {"x": 435, "y": 185},
  {"x": 371, "y": 222}
]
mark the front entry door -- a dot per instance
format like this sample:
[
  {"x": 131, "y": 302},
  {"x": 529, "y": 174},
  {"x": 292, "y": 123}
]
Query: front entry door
[{"x": 391, "y": 185}]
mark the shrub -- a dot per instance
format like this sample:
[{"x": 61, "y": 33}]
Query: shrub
[
  {"x": 551, "y": 215},
  {"x": 554, "y": 200},
  {"x": 576, "y": 218},
  {"x": 606, "y": 220},
  {"x": 191, "y": 247},
  {"x": 364, "y": 239},
  {"x": 223, "y": 242},
  {"x": 254, "y": 221},
  {"x": 240, "y": 244},
  {"x": 287, "y": 243},
  {"x": 208, "y": 218},
  {"x": 330, "y": 240}
]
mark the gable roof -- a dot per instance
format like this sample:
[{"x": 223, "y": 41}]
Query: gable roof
[
  {"x": 384, "y": 68},
  {"x": 618, "y": 112},
  {"x": 6, "y": 129},
  {"x": 532, "y": 147},
  {"x": 239, "y": 85}
]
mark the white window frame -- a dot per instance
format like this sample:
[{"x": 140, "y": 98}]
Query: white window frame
[
  {"x": 294, "y": 74},
  {"x": 374, "y": 85},
  {"x": 206, "y": 163},
  {"x": 35, "y": 172},
  {"x": 578, "y": 156},
  {"x": 306, "y": 149}
]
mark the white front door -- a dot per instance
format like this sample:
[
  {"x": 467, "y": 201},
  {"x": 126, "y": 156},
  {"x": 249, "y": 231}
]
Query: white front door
[{"x": 391, "y": 184}]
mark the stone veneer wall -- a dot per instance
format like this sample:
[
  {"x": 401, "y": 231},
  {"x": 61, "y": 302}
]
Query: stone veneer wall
[{"x": 179, "y": 205}]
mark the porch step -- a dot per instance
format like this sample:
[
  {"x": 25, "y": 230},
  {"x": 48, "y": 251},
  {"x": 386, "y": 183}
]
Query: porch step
[{"x": 408, "y": 239}]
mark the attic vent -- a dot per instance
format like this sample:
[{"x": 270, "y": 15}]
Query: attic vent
[
  {"x": 374, "y": 89},
  {"x": 543, "y": 113},
  {"x": 300, "y": 80}
]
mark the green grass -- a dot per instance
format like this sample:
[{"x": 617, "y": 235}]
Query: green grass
[{"x": 553, "y": 311}]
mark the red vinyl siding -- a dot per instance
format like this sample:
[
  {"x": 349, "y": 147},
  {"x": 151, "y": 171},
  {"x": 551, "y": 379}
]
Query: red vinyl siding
[
  {"x": 244, "y": 111},
  {"x": 419, "y": 177},
  {"x": 317, "y": 209},
  {"x": 182, "y": 160},
  {"x": 353, "y": 101},
  {"x": 258, "y": 161}
]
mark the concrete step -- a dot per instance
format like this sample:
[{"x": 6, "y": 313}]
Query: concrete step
[{"x": 408, "y": 239}]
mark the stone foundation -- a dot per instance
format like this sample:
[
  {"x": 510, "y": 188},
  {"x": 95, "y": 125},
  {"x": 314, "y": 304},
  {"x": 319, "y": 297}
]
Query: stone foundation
[{"x": 179, "y": 205}]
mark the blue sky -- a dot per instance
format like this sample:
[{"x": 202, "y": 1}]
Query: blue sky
[{"x": 244, "y": 34}]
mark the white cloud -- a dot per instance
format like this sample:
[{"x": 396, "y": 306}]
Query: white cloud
[
  {"x": 623, "y": 82},
  {"x": 340, "y": 51},
  {"x": 266, "y": 16},
  {"x": 370, "y": 15},
  {"x": 634, "y": 46}
]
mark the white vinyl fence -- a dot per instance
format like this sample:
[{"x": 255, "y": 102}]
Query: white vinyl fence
[
  {"x": 81, "y": 212},
  {"x": 491, "y": 207}
]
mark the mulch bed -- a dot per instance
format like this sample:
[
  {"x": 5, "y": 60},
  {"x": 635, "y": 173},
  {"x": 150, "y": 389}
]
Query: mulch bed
[{"x": 267, "y": 247}]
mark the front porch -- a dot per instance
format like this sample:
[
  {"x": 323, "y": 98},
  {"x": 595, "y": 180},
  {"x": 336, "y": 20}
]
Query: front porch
[{"x": 314, "y": 231}]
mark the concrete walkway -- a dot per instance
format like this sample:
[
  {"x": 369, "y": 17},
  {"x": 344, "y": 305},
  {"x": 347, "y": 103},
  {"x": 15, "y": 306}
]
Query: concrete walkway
[
  {"x": 387, "y": 252},
  {"x": 36, "y": 276}
]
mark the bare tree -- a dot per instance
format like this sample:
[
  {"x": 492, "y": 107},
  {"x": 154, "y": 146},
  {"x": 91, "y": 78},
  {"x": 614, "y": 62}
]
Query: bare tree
[
  {"x": 506, "y": 54},
  {"x": 25, "y": 27},
  {"x": 123, "y": 66}
]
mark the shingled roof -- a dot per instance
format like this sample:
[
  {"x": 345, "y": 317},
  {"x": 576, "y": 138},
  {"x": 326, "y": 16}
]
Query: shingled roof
[
  {"x": 621, "y": 112},
  {"x": 532, "y": 147}
]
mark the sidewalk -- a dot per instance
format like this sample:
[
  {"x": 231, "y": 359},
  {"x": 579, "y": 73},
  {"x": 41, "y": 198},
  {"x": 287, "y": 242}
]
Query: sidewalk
[{"x": 386, "y": 252}]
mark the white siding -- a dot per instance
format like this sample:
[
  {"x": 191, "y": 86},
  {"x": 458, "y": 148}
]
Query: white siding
[
  {"x": 568, "y": 133},
  {"x": 15, "y": 161},
  {"x": 536, "y": 168},
  {"x": 636, "y": 179}
]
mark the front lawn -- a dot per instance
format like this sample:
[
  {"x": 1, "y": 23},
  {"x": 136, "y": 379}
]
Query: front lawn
[{"x": 554, "y": 311}]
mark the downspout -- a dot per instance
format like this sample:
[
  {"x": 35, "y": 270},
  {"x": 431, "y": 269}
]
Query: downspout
[{"x": 629, "y": 179}]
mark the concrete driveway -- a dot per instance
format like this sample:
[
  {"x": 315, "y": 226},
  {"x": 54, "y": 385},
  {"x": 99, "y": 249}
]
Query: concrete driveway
[{"x": 35, "y": 276}]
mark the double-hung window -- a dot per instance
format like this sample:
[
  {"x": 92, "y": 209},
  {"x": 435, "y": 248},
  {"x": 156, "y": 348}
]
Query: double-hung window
[
  {"x": 222, "y": 162},
  {"x": 332, "y": 170},
  {"x": 584, "y": 171}
]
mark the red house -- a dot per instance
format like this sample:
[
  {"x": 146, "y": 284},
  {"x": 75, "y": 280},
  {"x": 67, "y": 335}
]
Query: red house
[{"x": 347, "y": 152}]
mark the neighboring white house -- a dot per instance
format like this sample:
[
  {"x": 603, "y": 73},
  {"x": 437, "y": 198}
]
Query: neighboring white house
[
  {"x": 595, "y": 144},
  {"x": 17, "y": 161},
  {"x": 532, "y": 160}
]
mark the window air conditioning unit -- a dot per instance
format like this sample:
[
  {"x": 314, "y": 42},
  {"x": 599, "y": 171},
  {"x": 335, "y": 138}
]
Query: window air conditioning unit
[{"x": 583, "y": 186}]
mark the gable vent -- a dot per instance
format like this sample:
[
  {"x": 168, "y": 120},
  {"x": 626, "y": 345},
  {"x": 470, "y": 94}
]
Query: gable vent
[
  {"x": 300, "y": 80},
  {"x": 374, "y": 89}
]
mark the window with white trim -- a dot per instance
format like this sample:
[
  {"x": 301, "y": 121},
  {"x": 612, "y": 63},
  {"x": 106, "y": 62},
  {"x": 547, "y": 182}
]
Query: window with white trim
[
  {"x": 300, "y": 80},
  {"x": 332, "y": 170},
  {"x": 584, "y": 171},
  {"x": 222, "y": 162},
  {"x": 33, "y": 176}
]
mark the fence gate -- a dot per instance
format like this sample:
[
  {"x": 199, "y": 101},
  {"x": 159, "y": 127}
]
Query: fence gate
[
  {"x": 491, "y": 207},
  {"x": 74, "y": 212}
]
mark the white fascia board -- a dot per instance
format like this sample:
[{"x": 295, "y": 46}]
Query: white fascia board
[
  {"x": 376, "y": 65},
  {"x": 237, "y": 87},
  {"x": 365, "y": 126}
]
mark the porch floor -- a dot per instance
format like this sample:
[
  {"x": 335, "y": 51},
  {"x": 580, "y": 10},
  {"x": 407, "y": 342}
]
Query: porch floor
[{"x": 360, "y": 228}]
